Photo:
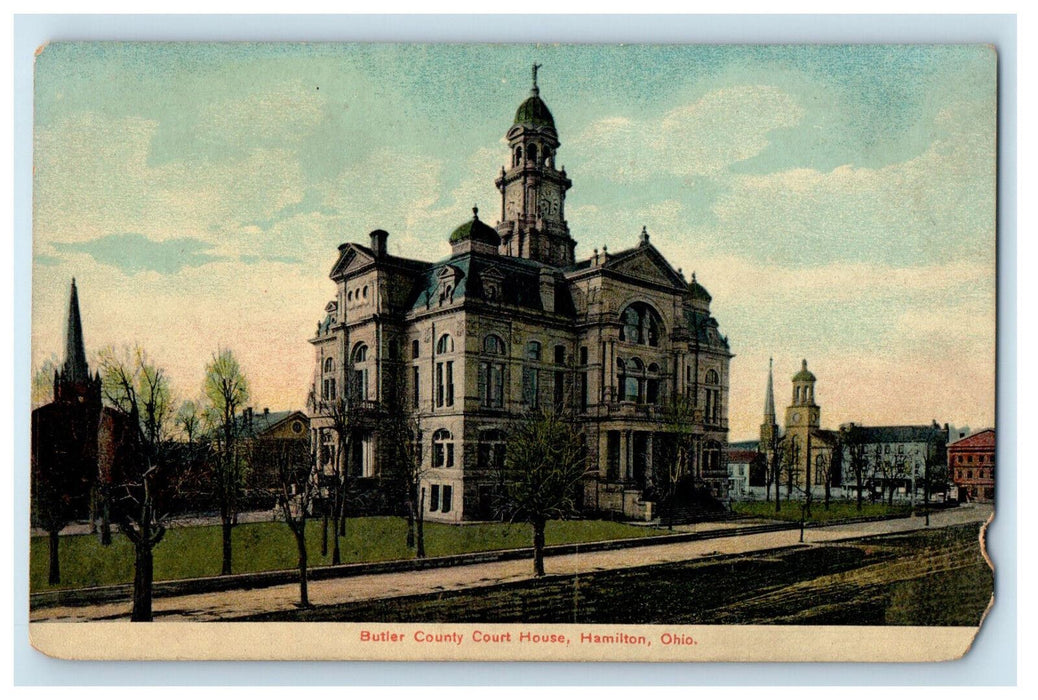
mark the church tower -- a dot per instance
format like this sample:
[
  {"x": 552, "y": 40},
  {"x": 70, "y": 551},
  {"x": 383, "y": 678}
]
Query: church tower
[
  {"x": 803, "y": 412},
  {"x": 73, "y": 382},
  {"x": 533, "y": 191},
  {"x": 769, "y": 428}
]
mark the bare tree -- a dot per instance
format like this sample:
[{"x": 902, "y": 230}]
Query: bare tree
[
  {"x": 226, "y": 390},
  {"x": 853, "y": 440},
  {"x": 678, "y": 422},
  {"x": 42, "y": 390},
  {"x": 402, "y": 430},
  {"x": 545, "y": 465},
  {"x": 139, "y": 394},
  {"x": 790, "y": 465},
  {"x": 296, "y": 467},
  {"x": 345, "y": 419}
]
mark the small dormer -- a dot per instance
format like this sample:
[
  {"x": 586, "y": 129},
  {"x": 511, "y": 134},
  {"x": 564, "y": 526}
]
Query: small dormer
[
  {"x": 447, "y": 284},
  {"x": 492, "y": 280}
]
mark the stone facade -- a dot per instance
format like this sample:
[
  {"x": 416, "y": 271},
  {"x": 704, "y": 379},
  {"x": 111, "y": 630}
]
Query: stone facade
[{"x": 513, "y": 321}]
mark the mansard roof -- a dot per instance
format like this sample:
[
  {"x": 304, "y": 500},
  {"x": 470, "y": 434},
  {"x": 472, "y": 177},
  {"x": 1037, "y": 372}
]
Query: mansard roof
[
  {"x": 980, "y": 439},
  {"x": 349, "y": 252},
  {"x": 519, "y": 281}
]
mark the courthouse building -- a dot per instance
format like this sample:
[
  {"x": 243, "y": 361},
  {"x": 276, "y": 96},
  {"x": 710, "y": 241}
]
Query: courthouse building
[{"x": 513, "y": 320}]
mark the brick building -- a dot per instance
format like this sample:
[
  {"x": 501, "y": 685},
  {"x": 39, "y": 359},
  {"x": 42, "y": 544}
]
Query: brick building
[{"x": 971, "y": 465}]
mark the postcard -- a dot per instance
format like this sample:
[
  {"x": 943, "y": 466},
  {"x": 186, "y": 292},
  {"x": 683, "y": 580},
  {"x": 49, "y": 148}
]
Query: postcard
[{"x": 512, "y": 352}]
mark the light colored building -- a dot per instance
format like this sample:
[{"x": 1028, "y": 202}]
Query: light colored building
[
  {"x": 893, "y": 459},
  {"x": 513, "y": 321}
]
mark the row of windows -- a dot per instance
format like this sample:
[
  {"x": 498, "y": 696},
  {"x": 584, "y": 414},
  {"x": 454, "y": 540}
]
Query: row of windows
[
  {"x": 968, "y": 459},
  {"x": 968, "y": 473},
  {"x": 358, "y": 294}
]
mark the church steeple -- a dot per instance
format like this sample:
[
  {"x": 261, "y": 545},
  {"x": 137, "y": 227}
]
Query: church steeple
[
  {"x": 769, "y": 428},
  {"x": 75, "y": 367},
  {"x": 533, "y": 191}
]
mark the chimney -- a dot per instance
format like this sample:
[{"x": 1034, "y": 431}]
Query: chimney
[
  {"x": 547, "y": 288},
  {"x": 266, "y": 411},
  {"x": 378, "y": 242}
]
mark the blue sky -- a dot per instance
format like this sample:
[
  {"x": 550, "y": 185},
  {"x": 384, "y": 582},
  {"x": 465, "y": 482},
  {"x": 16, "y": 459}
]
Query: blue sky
[{"x": 838, "y": 202}]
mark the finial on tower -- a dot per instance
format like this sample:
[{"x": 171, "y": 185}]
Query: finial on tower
[
  {"x": 475, "y": 212},
  {"x": 645, "y": 236},
  {"x": 535, "y": 90}
]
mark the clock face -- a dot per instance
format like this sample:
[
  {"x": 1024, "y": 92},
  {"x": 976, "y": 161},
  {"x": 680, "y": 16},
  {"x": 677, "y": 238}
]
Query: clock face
[
  {"x": 796, "y": 417},
  {"x": 548, "y": 205}
]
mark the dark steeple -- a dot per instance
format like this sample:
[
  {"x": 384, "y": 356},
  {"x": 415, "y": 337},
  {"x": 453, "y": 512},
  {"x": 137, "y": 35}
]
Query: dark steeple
[{"x": 75, "y": 368}]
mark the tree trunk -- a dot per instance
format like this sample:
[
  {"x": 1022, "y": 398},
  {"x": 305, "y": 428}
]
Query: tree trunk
[
  {"x": 324, "y": 531},
  {"x": 538, "y": 547},
  {"x": 420, "y": 552},
  {"x": 227, "y": 527},
  {"x": 859, "y": 494},
  {"x": 143, "y": 571},
  {"x": 54, "y": 573},
  {"x": 106, "y": 519},
  {"x": 300, "y": 533},
  {"x": 410, "y": 523}
]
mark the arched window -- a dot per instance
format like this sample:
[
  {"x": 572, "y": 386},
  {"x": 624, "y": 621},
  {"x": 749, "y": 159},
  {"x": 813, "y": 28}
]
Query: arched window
[
  {"x": 531, "y": 153},
  {"x": 641, "y": 325},
  {"x": 414, "y": 349},
  {"x": 329, "y": 364},
  {"x": 518, "y": 155},
  {"x": 359, "y": 379},
  {"x": 443, "y": 449},
  {"x": 493, "y": 345},
  {"x": 445, "y": 344},
  {"x": 712, "y": 412},
  {"x": 711, "y": 377}
]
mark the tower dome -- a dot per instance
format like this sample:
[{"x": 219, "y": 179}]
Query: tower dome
[
  {"x": 475, "y": 230},
  {"x": 533, "y": 112},
  {"x": 803, "y": 375}
]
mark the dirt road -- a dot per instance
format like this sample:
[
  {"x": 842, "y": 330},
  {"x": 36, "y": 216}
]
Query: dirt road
[{"x": 228, "y": 605}]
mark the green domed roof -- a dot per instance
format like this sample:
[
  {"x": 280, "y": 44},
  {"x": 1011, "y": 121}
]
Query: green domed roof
[
  {"x": 475, "y": 230},
  {"x": 699, "y": 292},
  {"x": 803, "y": 375},
  {"x": 534, "y": 112}
]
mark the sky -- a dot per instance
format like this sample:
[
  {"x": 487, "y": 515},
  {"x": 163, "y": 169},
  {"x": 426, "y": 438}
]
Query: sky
[{"x": 838, "y": 202}]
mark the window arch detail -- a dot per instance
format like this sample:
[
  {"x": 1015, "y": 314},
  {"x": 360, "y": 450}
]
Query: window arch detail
[{"x": 641, "y": 324}]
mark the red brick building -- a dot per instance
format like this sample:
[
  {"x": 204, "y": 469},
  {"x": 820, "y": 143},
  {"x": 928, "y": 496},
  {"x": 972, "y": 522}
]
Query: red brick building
[{"x": 971, "y": 465}]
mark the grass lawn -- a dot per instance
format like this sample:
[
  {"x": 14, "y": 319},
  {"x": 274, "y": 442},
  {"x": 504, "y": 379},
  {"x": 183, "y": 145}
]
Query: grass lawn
[
  {"x": 188, "y": 552},
  {"x": 932, "y": 577},
  {"x": 838, "y": 510}
]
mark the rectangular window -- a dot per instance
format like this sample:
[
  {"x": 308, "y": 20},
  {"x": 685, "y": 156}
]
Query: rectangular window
[
  {"x": 450, "y": 455},
  {"x": 360, "y": 385},
  {"x": 450, "y": 383},
  {"x": 560, "y": 388},
  {"x": 583, "y": 355},
  {"x": 613, "y": 455},
  {"x": 414, "y": 387},
  {"x": 530, "y": 386},
  {"x": 497, "y": 385},
  {"x": 560, "y": 354},
  {"x": 434, "y": 498},
  {"x": 583, "y": 389},
  {"x": 439, "y": 385},
  {"x": 438, "y": 454},
  {"x": 445, "y": 503}
]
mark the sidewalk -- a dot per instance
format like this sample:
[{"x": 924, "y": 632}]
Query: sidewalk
[{"x": 228, "y": 605}]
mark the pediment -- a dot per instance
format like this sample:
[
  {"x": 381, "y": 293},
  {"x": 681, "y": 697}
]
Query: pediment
[
  {"x": 646, "y": 263},
  {"x": 351, "y": 258}
]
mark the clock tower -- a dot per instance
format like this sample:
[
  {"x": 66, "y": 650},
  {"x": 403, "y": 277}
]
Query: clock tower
[
  {"x": 533, "y": 191},
  {"x": 803, "y": 412}
]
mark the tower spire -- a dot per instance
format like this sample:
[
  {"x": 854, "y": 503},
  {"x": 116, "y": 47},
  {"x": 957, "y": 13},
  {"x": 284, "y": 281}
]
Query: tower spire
[
  {"x": 769, "y": 396},
  {"x": 75, "y": 368},
  {"x": 535, "y": 90}
]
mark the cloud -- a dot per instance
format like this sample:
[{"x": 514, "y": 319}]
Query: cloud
[
  {"x": 704, "y": 137},
  {"x": 132, "y": 253}
]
